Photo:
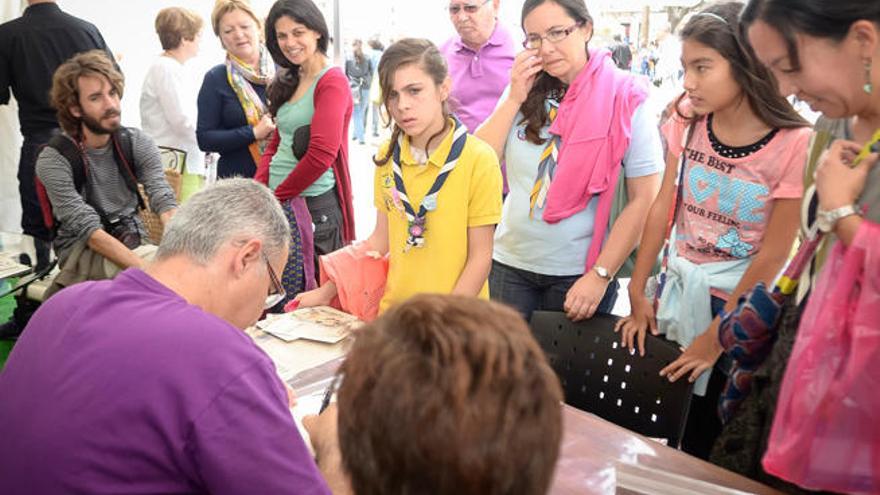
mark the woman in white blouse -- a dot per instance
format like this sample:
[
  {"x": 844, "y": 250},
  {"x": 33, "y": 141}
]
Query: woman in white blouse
[{"x": 168, "y": 97}]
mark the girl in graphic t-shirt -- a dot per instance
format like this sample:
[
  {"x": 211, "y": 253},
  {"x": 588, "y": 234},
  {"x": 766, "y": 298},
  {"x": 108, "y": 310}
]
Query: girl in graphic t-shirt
[
  {"x": 437, "y": 192},
  {"x": 729, "y": 203}
]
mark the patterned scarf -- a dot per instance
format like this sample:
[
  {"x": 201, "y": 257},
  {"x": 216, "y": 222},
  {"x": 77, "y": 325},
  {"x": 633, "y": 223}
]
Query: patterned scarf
[
  {"x": 546, "y": 165},
  {"x": 416, "y": 228},
  {"x": 241, "y": 76}
]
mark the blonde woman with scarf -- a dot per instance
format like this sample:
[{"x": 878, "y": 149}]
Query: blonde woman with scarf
[
  {"x": 567, "y": 126},
  {"x": 233, "y": 117}
]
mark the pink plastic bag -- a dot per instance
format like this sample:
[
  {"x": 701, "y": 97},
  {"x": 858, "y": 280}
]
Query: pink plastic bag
[{"x": 826, "y": 432}]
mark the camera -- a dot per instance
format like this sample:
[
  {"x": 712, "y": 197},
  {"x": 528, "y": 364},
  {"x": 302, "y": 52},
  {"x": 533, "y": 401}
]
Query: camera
[{"x": 125, "y": 230}]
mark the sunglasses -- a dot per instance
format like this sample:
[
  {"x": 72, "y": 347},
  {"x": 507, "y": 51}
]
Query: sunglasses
[
  {"x": 276, "y": 291},
  {"x": 469, "y": 8}
]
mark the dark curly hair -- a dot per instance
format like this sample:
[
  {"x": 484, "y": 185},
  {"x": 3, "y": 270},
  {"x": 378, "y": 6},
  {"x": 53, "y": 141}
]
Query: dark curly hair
[
  {"x": 286, "y": 80},
  {"x": 65, "y": 84}
]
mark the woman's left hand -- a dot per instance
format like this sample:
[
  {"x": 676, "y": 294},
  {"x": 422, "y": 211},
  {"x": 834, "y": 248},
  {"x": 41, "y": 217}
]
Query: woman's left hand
[
  {"x": 584, "y": 296},
  {"x": 698, "y": 357},
  {"x": 838, "y": 183}
]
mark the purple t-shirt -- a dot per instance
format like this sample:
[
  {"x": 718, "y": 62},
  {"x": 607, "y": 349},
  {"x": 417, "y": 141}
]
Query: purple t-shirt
[
  {"x": 479, "y": 78},
  {"x": 120, "y": 386}
]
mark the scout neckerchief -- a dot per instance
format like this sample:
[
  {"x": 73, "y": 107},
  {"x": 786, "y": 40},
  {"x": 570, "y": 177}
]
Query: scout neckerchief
[
  {"x": 416, "y": 221},
  {"x": 546, "y": 165},
  {"x": 241, "y": 77}
]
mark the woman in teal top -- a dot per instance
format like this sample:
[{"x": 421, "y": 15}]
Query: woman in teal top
[
  {"x": 296, "y": 116},
  {"x": 307, "y": 160}
]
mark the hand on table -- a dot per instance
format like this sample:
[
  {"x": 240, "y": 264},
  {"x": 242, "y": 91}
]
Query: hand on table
[{"x": 698, "y": 357}]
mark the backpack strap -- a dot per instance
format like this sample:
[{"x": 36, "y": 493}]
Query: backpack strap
[
  {"x": 71, "y": 152},
  {"x": 123, "y": 154}
]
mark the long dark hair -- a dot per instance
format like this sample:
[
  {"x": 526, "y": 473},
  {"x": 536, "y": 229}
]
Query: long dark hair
[
  {"x": 425, "y": 55},
  {"x": 286, "y": 78},
  {"x": 817, "y": 18},
  {"x": 717, "y": 27},
  {"x": 547, "y": 86}
]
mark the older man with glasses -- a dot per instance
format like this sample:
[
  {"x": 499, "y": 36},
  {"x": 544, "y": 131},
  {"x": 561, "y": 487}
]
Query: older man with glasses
[
  {"x": 479, "y": 56},
  {"x": 146, "y": 383}
]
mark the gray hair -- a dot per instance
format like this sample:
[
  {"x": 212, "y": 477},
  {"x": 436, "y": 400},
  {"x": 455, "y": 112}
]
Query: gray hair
[{"x": 227, "y": 211}]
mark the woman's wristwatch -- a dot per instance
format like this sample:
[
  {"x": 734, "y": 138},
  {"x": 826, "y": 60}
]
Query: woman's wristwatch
[
  {"x": 602, "y": 272},
  {"x": 826, "y": 220}
]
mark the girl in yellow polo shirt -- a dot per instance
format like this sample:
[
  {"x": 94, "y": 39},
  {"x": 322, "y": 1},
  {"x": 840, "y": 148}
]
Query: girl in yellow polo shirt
[{"x": 437, "y": 189}]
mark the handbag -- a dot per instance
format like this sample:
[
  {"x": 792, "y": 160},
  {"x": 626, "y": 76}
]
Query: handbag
[
  {"x": 174, "y": 165},
  {"x": 748, "y": 333},
  {"x": 825, "y": 434}
]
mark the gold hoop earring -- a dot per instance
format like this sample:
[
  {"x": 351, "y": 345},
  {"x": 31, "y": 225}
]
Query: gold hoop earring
[{"x": 869, "y": 86}]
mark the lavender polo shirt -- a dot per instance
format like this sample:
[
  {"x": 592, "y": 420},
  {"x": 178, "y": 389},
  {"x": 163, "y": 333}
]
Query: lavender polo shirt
[
  {"x": 479, "y": 77},
  {"x": 120, "y": 386}
]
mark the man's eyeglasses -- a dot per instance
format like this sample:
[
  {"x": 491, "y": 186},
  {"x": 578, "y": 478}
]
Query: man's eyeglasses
[
  {"x": 276, "y": 291},
  {"x": 469, "y": 8},
  {"x": 555, "y": 35}
]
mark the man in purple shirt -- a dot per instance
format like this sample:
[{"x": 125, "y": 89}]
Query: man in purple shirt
[
  {"x": 147, "y": 384},
  {"x": 479, "y": 59}
]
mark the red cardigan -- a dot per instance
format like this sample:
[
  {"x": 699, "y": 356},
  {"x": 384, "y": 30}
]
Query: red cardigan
[{"x": 328, "y": 147}]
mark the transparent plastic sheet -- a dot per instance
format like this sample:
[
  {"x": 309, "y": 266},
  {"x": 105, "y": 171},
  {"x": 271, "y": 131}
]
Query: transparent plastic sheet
[
  {"x": 593, "y": 450},
  {"x": 588, "y": 454},
  {"x": 826, "y": 432}
]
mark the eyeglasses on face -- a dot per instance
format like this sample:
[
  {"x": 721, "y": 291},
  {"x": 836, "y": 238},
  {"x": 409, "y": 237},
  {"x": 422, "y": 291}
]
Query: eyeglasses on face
[
  {"x": 469, "y": 8},
  {"x": 276, "y": 291},
  {"x": 555, "y": 35}
]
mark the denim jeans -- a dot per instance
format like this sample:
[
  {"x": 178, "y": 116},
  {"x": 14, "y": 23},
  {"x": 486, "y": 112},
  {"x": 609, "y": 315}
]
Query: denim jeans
[
  {"x": 528, "y": 291},
  {"x": 360, "y": 113}
]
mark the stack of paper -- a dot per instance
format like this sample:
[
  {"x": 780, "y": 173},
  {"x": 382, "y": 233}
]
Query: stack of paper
[
  {"x": 11, "y": 268},
  {"x": 322, "y": 323}
]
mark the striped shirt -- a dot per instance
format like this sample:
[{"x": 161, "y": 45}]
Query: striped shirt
[{"x": 106, "y": 194}]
